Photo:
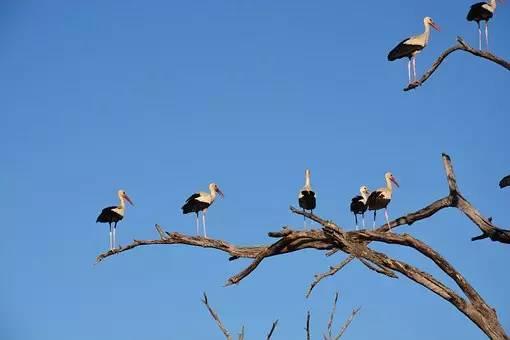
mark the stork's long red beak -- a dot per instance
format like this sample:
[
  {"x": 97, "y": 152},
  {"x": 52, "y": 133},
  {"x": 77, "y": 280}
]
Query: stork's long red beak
[
  {"x": 394, "y": 181},
  {"x": 435, "y": 26},
  {"x": 220, "y": 192},
  {"x": 128, "y": 199}
]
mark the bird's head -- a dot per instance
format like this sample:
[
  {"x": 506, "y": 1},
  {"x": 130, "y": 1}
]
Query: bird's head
[
  {"x": 389, "y": 177},
  {"x": 429, "y": 21},
  {"x": 122, "y": 195},
  {"x": 214, "y": 187},
  {"x": 364, "y": 190}
]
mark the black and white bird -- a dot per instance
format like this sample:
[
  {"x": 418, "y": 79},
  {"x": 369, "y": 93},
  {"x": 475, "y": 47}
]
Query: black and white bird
[
  {"x": 410, "y": 47},
  {"x": 201, "y": 201},
  {"x": 359, "y": 205},
  {"x": 114, "y": 214},
  {"x": 380, "y": 198},
  {"x": 306, "y": 196},
  {"x": 505, "y": 182},
  {"x": 482, "y": 11}
]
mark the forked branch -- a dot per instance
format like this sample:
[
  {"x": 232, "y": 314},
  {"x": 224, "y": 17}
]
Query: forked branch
[{"x": 460, "y": 46}]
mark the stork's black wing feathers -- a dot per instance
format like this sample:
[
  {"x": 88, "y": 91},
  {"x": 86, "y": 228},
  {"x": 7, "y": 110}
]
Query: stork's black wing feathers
[
  {"x": 373, "y": 197},
  {"x": 478, "y": 12},
  {"x": 505, "y": 182},
  {"x": 193, "y": 205},
  {"x": 307, "y": 200},
  {"x": 356, "y": 199},
  {"x": 105, "y": 214},
  {"x": 192, "y": 197},
  {"x": 357, "y": 205},
  {"x": 403, "y": 50}
]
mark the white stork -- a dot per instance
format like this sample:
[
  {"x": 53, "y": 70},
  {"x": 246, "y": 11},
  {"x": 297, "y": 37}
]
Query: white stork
[
  {"x": 359, "y": 205},
  {"x": 201, "y": 201},
  {"x": 380, "y": 198},
  {"x": 114, "y": 214},
  {"x": 505, "y": 182},
  {"x": 306, "y": 196},
  {"x": 482, "y": 11},
  {"x": 410, "y": 47}
]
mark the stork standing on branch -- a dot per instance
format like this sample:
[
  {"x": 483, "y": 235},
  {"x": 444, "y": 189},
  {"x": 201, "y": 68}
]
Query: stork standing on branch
[
  {"x": 201, "y": 201},
  {"x": 380, "y": 198},
  {"x": 306, "y": 196},
  {"x": 114, "y": 214},
  {"x": 359, "y": 205},
  {"x": 410, "y": 47},
  {"x": 482, "y": 11}
]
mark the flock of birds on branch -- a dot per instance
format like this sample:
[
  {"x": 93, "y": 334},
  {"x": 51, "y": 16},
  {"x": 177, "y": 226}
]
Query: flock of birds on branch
[
  {"x": 410, "y": 47},
  {"x": 201, "y": 201},
  {"x": 375, "y": 200}
]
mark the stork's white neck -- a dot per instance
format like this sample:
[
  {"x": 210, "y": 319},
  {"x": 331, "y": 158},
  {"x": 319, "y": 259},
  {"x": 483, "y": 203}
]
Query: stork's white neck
[
  {"x": 213, "y": 194},
  {"x": 365, "y": 196},
  {"x": 389, "y": 185},
  {"x": 492, "y": 3},
  {"x": 307, "y": 179},
  {"x": 426, "y": 34},
  {"x": 122, "y": 203}
]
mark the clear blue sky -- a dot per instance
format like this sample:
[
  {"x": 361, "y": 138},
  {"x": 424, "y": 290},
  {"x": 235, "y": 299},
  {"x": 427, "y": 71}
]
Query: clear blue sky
[{"x": 162, "y": 97}]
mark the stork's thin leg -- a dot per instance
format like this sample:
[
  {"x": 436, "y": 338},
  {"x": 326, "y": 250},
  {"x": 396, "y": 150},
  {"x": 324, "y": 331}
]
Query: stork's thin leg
[
  {"x": 414, "y": 68},
  {"x": 203, "y": 223},
  {"x": 373, "y": 226},
  {"x": 409, "y": 69},
  {"x": 115, "y": 235},
  {"x": 304, "y": 220},
  {"x": 196, "y": 220},
  {"x": 111, "y": 239},
  {"x": 363, "y": 219},
  {"x": 356, "y": 220},
  {"x": 487, "y": 34},
  {"x": 387, "y": 219},
  {"x": 479, "y": 36}
]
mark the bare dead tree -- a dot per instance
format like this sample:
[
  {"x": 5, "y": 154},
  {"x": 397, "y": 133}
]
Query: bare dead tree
[
  {"x": 460, "y": 46},
  {"x": 333, "y": 238}
]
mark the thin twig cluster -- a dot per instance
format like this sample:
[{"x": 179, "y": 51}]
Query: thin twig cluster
[{"x": 328, "y": 335}]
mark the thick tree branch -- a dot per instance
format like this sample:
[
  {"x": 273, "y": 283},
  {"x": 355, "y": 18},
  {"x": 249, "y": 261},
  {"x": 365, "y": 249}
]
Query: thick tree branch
[
  {"x": 310, "y": 239},
  {"x": 460, "y": 46}
]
